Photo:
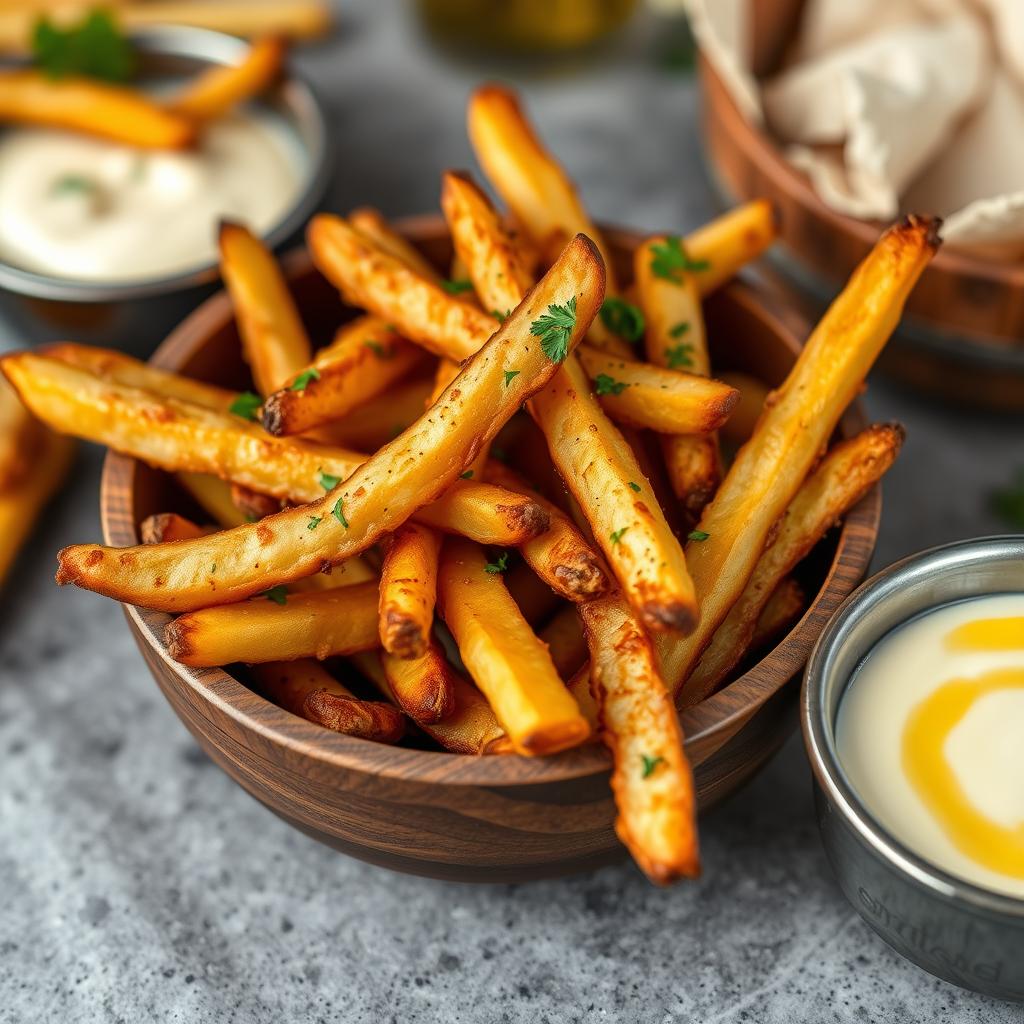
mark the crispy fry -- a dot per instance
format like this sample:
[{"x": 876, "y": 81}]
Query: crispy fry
[
  {"x": 421, "y": 686},
  {"x": 179, "y": 436},
  {"x": 651, "y": 778},
  {"x": 561, "y": 556},
  {"x": 753, "y": 396},
  {"x": 566, "y": 644},
  {"x": 274, "y": 340},
  {"x": 166, "y": 526},
  {"x": 21, "y": 504},
  {"x": 503, "y": 655},
  {"x": 595, "y": 462},
  {"x": 364, "y": 359},
  {"x": 20, "y": 436},
  {"x": 772, "y": 465},
  {"x": 214, "y": 92},
  {"x": 372, "y": 223},
  {"x": 93, "y": 107},
  {"x": 840, "y": 481},
  {"x": 408, "y": 591},
  {"x": 649, "y": 397},
  {"x": 783, "y": 608},
  {"x": 382, "y": 419},
  {"x": 307, "y": 689},
  {"x": 383, "y": 492},
  {"x": 731, "y": 241},
  {"x": 316, "y": 624}
]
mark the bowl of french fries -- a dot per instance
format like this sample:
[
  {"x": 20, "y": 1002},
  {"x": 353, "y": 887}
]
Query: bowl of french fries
[{"x": 552, "y": 505}]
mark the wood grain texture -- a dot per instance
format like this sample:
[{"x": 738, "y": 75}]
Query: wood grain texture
[
  {"x": 965, "y": 317},
  {"x": 503, "y": 818}
]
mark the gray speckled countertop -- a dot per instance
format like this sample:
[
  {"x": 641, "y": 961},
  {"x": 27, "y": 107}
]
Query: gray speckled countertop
[{"x": 140, "y": 884}]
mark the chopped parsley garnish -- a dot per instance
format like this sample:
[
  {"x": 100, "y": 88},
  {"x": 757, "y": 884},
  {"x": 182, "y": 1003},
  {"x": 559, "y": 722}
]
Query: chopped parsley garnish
[
  {"x": 650, "y": 763},
  {"x": 616, "y": 535},
  {"x": 1008, "y": 503},
  {"x": 73, "y": 184},
  {"x": 605, "y": 385},
  {"x": 680, "y": 329},
  {"x": 467, "y": 475},
  {"x": 499, "y": 316},
  {"x": 697, "y": 535},
  {"x": 511, "y": 375},
  {"x": 377, "y": 349},
  {"x": 328, "y": 481},
  {"x": 623, "y": 318},
  {"x": 314, "y": 522},
  {"x": 634, "y": 486},
  {"x": 213, "y": 568},
  {"x": 339, "y": 513},
  {"x": 499, "y": 566},
  {"x": 278, "y": 594},
  {"x": 670, "y": 260},
  {"x": 457, "y": 287},
  {"x": 246, "y": 405},
  {"x": 302, "y": 381},
  {"x": 94, "y": 47},
  {"x": 554, "y": 328},
  {"x": 679, "y": 355}
]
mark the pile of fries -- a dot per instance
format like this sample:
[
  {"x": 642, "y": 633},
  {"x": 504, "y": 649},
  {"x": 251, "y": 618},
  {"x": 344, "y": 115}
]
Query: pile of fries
[{"x": 571, "y": 504}]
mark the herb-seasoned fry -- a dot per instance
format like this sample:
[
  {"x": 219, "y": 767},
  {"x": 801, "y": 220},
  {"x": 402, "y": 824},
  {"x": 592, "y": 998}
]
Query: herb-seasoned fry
[
  {"x": 371, "y": 223},
  {"x": 408, "y": 590},
  {"x": 421, "y": 686},
  {"x": 503, "y": 655},
  {"x": 723, "y": 246}
]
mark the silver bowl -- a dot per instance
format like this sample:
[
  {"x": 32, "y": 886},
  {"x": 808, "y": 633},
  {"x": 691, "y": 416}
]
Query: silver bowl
[
  {"x": 137, "y": 314},
  {"x": 970, "y": 936}
]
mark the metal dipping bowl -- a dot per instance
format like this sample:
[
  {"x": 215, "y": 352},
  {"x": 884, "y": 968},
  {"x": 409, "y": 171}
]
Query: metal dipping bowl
[
  {"x": 136, "y": 315},
  {"x": 958, "y": 931}
]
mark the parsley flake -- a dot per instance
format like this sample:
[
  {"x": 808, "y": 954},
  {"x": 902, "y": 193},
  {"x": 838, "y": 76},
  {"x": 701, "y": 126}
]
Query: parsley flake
[
  {"x": 623, "y": 318},
  {"x": 634, "y": 486},
  {"x": 246, "y": 405},
  {"x": 94, "y": 47},
  {"x": 314, "y": 522},
  {"x": 278, "y": 594},
  {"x": 697, "y": 535},
  {"x": 328, "y": 481},
  {"x": 73, "y": 184},
  {"x": 494, "y": 568},
  {"x": 650, "y": 763},
  {"x": 457, "y": 287},
  {"x": 467, "y": 475},
  {"x": 510, "y": 375},
  {"x": 338, "y": 512},
  {"x": 679, "y": 356},
  {"x": 670, "y": 260},
  {"x": 377, "y": 349},
  {"x": 499, "y": 316},
  {"x": 605, "y": 385},
  {"x": 213, "y": 568},
  {"x": 679, "y": 329},
  {"x": 302, "y": 381},
  {"x": 554, "y": 328},
  {"x": 616, "y": 535}
]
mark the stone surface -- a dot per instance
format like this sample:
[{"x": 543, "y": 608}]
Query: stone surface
[{"x": 140, "y": 884}]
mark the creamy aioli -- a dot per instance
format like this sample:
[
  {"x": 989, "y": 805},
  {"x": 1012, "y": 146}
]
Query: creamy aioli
[
  {"x": 91, "y": 210},
  {"x": 930, "y": 734}
]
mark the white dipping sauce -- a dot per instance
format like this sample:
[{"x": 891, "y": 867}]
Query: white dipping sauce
[
  {"x": 91, "y": 210},
  {"x": 984, "y": 749}
]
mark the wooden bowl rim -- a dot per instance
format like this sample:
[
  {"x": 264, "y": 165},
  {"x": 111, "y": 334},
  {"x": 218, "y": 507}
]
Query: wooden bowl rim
[
  {"x": 721, "y": 713},
  {"x": 762, "y": 150}
]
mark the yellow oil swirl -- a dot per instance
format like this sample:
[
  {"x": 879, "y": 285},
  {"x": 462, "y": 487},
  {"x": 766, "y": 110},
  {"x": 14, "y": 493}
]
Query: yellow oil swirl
[{"x": 995, "y": 846}]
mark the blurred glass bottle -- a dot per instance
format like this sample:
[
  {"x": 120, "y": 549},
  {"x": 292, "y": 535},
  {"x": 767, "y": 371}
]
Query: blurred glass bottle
[{"x": 525, "y": 26}]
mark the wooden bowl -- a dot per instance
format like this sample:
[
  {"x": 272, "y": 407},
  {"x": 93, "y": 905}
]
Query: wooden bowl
[
  {"x": 503, "y": 818},
  {"x": 961, "y": 336}
]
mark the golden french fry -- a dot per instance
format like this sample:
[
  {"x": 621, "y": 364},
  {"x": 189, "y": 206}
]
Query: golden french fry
[
  {"x": 413, "y": 470},
  {"x": 842, "y": 478},
  {"x": 22, "y": 503},
  {"x": 561, "y": 556},
  {"x": 382, "y": 419},
  {"x": 651, "y": 778},
  {"x": 503, "y": 655},
  {"x": 566, "y": 644},
  {"x": 362, "y": 361},
  {"x": 274, "y": 340},
  {"x": 93, "y": 107},
  {"x": 166, "y": 526},
  {"x": 178, "y": 436},
  {"x": 408, "y": 591},
  {"x": 649, "y": 397},
  {"x": 772, "y": 465},
  {"x": 372, "y": 223},
  {"x": 421, "y": 686},
  {"x": 20, "y": 437},
  {"x": 307, "y": 689},
  {"x": 214, "y": 92},
  {"x": 316, "y": 624},
  {"x": 753, "y": 396},
  {"x": 595, "y": 462},
  {"x": 723, "y": 246},
  {"x": 783, "y": 608}
]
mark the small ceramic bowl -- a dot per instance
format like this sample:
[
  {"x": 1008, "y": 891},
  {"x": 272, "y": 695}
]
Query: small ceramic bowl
[
  {"x": 137, "y": 314},
  {"x": 502, "y": 818},
  {"x": 958, "y": 931}
]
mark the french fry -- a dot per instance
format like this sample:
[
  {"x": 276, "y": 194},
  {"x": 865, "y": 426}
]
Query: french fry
[
  {"x": 410, "y": 472},
  {"x": 92, "y": 107},
  {"x": 753, "y": 396},
  {"x": 842, "y": 478},
  {"x": 362, "y": 361},
  {"x": 166, "y": 526},
  {"x": 21, "y": 504},
  {"x": 316, "y": 624},
  {"x": 790, "y": 434},
  {"x": 731, "y": 241},
  {"x": 20, "y": 437},
  {"x": 408, "y": 591},
  {"x": 307, "y": 689},
  {"x": 783, "y": 608},
  {"x": 649, "y": 397},
  {"x": 214, "y": 92},
  {"x": 675, "y": 336},
  {"x": 213, "y": 496},
  {"x": 274, "y": 340},
  {"x": 566, "y": 644},
  {"x": 595, "y": 462},
  {"x": 381, "y": 419},
  {"x": 561, "y": 556},
  {"x": 651, "y": 778},
  {"x": 503, "y": 655},
  {"x": 180, "y": 436},
  {"x": 421, "y": 686},
  {"x": 371, "y": 223}
]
